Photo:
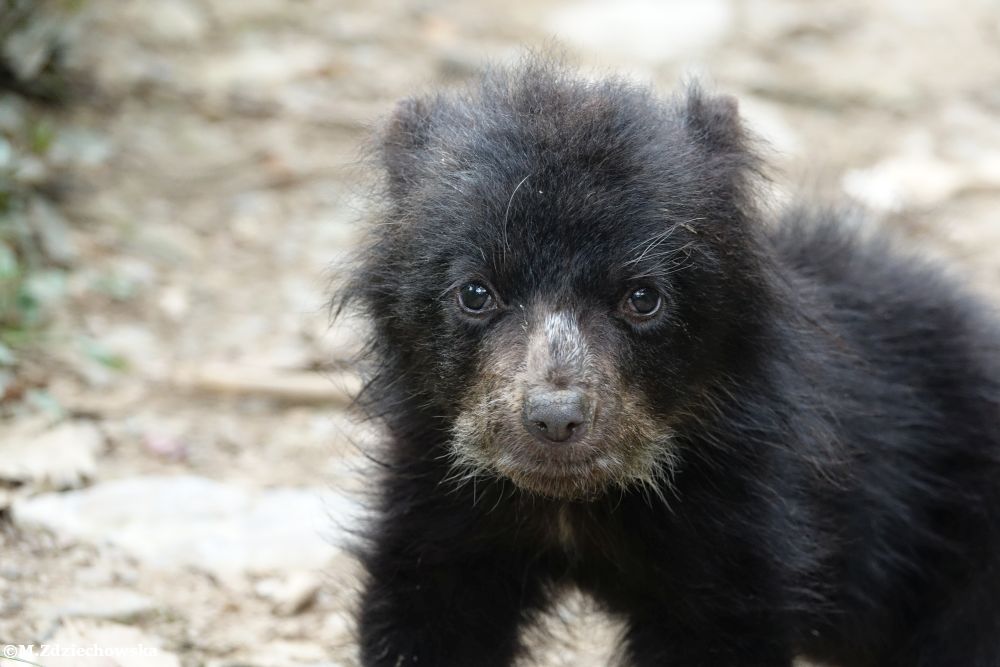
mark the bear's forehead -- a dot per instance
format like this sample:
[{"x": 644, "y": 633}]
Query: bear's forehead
[
  {"x": 565, "y": 219},
  {"x": 560, "y": 259}
]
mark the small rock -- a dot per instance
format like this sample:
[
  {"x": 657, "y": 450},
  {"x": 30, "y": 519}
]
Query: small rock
[
  {"x": 130, "y": 346},
  {"x": 6, "y": 499},
  {"x": 177, "y": 21},
  {"x": 6, "y": 155},
  {"x": 338, "y": 628},
  {"x": 96, "y": 575},
  {"x": 919, "y": 180},
  {"x": 283, "y": 652},
  {"x": 75, "y": 147},
  {"x": 459, "y": 63},
  {"x": 187, "y": 521},
  {"x": 289, "y": 595},
  {"x": 259, "y": 68},
  {"x": 768, "y": 121},
  {"x": 31, "y": 170},
  {"x": 165, "y": 446},
  {"x": 123, "y": 646},
  {"x": 900, "y": 183},
  {"x": 108, "y": 604},
  {"x": 175, "y": 302},
  {"x": 27, "y": 50},
  {"x": 11, "y": 605},
  {"x": 63, "y": 457},
  {"x": 53, "y": 231},
  {"x": 234, "y": 12},
  {"x": 643, "y": 30}
]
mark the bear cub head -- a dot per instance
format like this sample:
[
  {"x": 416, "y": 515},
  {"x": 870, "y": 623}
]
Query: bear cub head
[{"x": 560, "y": 272}]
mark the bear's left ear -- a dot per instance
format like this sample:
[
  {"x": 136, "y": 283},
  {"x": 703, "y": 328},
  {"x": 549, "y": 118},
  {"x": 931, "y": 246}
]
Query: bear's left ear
[
  {"x": 714, "y": 122},
  {"x": 400, "y": 142}
]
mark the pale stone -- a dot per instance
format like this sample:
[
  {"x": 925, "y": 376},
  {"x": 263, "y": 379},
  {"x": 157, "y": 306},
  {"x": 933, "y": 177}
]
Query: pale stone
[
  {"x": 643, "y": 30},
  {"x": 109, "y": 604},
  {"x": 187, "y": 521},
  {"x": 102, "y": 645},
  {"x": 62, "y": 457},
  {"x": 289, "y": 595}
]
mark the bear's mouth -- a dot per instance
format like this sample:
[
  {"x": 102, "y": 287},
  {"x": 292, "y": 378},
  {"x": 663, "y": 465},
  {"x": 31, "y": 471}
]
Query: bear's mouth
[{"x": 571, "y": 471}]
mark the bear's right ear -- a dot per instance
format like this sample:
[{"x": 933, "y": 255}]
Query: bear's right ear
[
  {"x": 714, "y": 121},
  {"x": 402, "y": 137}
]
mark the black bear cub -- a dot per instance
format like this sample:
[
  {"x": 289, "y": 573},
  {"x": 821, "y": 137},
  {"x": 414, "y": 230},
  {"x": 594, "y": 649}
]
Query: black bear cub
[{"x": 601, "y": 365}]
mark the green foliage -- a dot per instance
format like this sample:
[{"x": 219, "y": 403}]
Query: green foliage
[
  {"x": 24, "y": 268},
  {"x": 31, "y": 80},
  {"x": 32, "y": 43}
]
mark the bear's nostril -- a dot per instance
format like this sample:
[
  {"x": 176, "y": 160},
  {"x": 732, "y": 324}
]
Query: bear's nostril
[{"x": 556, "y": 416}]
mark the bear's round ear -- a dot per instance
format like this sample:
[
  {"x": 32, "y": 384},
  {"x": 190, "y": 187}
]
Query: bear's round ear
[
  {"x": 400, "y": 141},
  {"x": 714, "y": 121},
  {"x": 729, "y": 164}
]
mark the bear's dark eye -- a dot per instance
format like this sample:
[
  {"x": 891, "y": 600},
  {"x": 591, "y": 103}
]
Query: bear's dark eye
[
  {"x": 643, "y": 302},
  {"x": 475, "y": 298}
]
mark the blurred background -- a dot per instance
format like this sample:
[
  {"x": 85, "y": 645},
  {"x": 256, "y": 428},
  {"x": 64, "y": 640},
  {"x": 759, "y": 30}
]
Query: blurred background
[{"x": 178, "y": 180}]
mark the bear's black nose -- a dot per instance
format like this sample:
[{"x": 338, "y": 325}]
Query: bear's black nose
[{"x": 556, "y": 416}]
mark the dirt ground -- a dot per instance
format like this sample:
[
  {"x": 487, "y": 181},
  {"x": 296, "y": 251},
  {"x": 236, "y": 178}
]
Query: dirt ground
[{"x": 222, "y": 190}]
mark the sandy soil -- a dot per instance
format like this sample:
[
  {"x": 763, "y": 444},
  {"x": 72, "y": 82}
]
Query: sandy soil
[{"x": 225, "y": 188}]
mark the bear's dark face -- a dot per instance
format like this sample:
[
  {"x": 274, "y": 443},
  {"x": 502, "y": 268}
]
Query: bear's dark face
[{"x": 560, "y": 277}]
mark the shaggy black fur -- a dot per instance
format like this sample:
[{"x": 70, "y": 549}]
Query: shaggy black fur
[{"x": 826, "y": 411}]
